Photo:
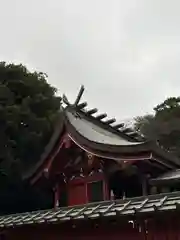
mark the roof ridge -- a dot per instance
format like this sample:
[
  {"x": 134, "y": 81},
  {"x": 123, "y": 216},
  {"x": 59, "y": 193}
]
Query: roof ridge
[{"x": 119, "y": 128}]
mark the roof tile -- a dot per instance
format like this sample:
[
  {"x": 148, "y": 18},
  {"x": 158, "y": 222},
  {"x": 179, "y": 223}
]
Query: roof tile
[{"x": 161, "y": 202}]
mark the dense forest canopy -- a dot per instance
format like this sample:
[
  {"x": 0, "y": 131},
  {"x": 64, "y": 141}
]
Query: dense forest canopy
[{"x": 28, "y": 109}]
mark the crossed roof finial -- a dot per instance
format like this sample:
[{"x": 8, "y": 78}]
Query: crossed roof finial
[{"x": 78, "y": 98}]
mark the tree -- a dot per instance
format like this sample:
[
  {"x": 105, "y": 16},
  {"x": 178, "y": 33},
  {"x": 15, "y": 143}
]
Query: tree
[
  {"x": 142, "y": 125},
  {"x": 28, "y": 109},
  {"x": 163, "y": 126}
]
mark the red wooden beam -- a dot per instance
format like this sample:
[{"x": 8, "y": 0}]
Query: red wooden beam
[{"x": 46, "y": 167}]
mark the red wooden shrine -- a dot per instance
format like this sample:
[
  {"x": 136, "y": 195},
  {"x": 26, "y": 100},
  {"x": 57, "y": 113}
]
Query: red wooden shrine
[{"x": 104, "y": 177}]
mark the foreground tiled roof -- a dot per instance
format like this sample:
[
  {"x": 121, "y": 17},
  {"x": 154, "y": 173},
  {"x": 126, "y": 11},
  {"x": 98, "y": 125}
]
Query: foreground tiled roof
[{"x": 128, "y": 207}]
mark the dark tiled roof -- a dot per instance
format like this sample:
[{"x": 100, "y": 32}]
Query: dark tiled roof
[{"x": 127, "y": 207}]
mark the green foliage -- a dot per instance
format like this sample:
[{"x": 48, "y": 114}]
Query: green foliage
[
  {"x": 28, "y": 109},
  {"x": 163, "y": 127},
  {"x": 142, "y": 124}
]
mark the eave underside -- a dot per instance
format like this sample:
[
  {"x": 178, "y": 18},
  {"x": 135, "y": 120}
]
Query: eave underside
[{"x": 169, "y": 178}]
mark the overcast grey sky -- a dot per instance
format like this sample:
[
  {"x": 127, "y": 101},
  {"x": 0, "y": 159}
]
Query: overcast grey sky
[{"x": 126, "y": 53}]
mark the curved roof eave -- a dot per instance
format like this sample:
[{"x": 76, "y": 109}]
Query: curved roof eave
[
  {"x": 100, "y": 143},
  {"x": 78, "y": 129},
  {"x": 119, "y": 149},
  {"x": 98, "y": 138},
  {"x": 109, "y": 155}
]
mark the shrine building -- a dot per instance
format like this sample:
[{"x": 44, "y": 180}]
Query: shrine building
[{"x": 107, "y": 181}]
